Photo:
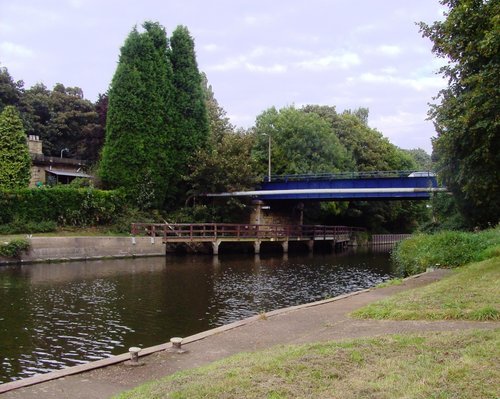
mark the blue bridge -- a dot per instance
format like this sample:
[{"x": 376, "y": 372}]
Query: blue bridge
[{"x": 387, "y": 185}]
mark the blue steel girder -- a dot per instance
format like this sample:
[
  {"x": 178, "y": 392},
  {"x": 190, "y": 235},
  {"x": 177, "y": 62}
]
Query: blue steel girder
[{"x": 372, "y": 184}]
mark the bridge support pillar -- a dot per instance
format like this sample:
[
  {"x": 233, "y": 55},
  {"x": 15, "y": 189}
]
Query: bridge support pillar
[
  {"x": 215, "y": 247},
  {"x": 310, "y": 245},
  {"x": 256, "y": 247},
  {"x": 284, "y": 245},
  {"x": 332, "y": 245}
]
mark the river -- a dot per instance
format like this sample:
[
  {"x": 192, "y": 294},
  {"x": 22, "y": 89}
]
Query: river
[{"x": 63, "y": 314}]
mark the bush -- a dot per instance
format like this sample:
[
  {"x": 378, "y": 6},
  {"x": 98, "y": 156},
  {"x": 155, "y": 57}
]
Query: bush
[
  {"x": 445, "y": 249},
  {"x": 22, "y": 227},
  {"x": 65, "y": 206},
  {"x": 14, "y": 248}
]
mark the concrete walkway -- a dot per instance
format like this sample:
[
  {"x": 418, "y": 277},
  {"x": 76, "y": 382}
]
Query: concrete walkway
[{"x": 320, "y": 321}]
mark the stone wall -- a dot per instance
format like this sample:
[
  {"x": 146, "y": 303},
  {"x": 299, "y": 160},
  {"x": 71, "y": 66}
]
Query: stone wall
[
  {"x": 84, "y": 248},
  {"x": 275, "y": 213}
]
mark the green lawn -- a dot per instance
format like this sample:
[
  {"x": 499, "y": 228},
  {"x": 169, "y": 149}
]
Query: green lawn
[
  {"x": 462, "y": 364},
  {"x": 471, "y": 293}
]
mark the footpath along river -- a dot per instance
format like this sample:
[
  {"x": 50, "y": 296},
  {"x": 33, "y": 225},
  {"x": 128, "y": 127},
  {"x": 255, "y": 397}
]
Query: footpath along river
[{"x": 59, "y": 315}]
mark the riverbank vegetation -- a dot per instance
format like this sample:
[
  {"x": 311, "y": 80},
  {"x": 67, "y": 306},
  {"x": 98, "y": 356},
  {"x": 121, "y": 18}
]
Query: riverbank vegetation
[
  {"x": 445, "y": 249},
  {"x": 470, "y": 293},
  {"x": 439, "y": 365},
  {"x": 13, "y": 248}
]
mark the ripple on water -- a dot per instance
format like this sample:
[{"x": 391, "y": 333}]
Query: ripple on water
[{"x": 84, "y": 312}]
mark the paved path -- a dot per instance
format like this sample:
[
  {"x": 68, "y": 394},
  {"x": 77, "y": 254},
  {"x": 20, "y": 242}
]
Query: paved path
[{"x": 321, "y": 321}]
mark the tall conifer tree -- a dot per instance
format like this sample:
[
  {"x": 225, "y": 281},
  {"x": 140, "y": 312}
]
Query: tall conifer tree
[
  {"x": 15, "y": 162},
  {"x": 136, "y": 154},
  {"x": 190, "y": 121}
]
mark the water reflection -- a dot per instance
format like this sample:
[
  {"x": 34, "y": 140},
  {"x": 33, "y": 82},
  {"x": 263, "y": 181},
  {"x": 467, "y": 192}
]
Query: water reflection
[{"x": 58, "y": 315}]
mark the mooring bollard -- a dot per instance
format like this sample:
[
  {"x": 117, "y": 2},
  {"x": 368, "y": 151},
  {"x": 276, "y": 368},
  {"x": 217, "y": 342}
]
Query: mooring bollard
[
  {"x": 176, "y": 345},
  {"x": 134, "y": 355}
]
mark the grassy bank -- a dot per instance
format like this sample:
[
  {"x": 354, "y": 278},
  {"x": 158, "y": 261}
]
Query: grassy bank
[
  {"x": 470, "y": 293},
  {"x": 445, "y": 249},
  {"x": 445, "y": 365}
]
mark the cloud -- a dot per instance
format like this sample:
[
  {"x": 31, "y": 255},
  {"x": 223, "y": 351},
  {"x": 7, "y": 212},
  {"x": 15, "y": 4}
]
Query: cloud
[
  {"x": 210, "y": 48},
  {"x": 6, "y": 28},
  {"x": 416, "y": 83},
  {"x": 401, "y": 128},
  {"x": 257, "y": 20},
  {"x": 76, "y": 3},
  {"x": 342, "y": 61},
  {"x": 244, "y": 63},
  {"x": 276, "y": 68},
  {"x": 259, "y": 59},
  {"x": 389, "y": 50},
  {"x": 16, "y": 50}
]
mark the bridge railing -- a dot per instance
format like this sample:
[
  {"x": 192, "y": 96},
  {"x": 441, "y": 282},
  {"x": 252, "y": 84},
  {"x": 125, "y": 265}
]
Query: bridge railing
[
  {"x": 214, "y": 231},
  {"x": 350, "y": 175}
]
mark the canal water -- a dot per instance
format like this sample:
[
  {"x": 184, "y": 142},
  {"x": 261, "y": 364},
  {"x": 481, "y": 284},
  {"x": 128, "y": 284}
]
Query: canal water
[{"x": 58, "y": 315}]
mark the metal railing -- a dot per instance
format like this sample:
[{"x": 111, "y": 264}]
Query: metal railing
[
  {"x": 220, "y": 231},
  {"x": 350, "y": 175}
]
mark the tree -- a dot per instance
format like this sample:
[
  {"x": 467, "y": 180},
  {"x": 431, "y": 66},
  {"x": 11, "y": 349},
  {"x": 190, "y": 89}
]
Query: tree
[
  {"x": 138, "y": 149},
  {"x": 368, "y": 148},
  {"x": 61, "y": 117},
  {"x": 10, "y": 91},
  {"x": 218, "y": 122},
  {"x": 300, "y": 143},
  {"x": 421, "y": 158},
  {"x": 92, "y": 140},
  {"x": 15, "y": 161},
  {"x": 190, "y": 122},
  {"x": 467, "y": 118}
]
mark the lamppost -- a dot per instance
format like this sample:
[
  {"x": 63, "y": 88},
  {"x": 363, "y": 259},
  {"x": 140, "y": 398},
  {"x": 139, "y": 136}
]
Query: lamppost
[
  {"x": 64, "y": 149},
  {"x": 268, "y": 156}
]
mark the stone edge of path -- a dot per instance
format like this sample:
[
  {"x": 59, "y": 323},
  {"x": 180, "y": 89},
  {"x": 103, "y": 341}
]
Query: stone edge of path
[{"x": 40, "y": 378}]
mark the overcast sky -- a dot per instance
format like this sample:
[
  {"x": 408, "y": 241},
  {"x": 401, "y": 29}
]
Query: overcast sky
[{"x": 256, "y": 54}]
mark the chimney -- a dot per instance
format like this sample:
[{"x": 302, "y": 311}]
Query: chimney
[{"x": 34, "y": 144}]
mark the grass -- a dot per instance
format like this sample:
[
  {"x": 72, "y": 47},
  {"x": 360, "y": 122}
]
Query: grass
[
  {"x": 69, "y": 232},
  {"x": 461, "y": 364},
  {"x": 472, "y": 292},
  {"x": 389, "y": 283},
  {"x": 445, "y": 249}
]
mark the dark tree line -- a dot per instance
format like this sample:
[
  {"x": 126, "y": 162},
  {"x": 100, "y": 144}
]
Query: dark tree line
[
  {"x": 467, "y": 117},
  {"x": 61, "y": 117}
]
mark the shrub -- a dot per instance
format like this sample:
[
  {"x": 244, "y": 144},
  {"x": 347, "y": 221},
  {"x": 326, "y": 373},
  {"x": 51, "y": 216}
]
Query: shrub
[
  {"x": 21, "y": 227},
  {"x": 445, "y": 249},
  {"x": 65, "y": 206},
  {"x": 14, "y": 248}
]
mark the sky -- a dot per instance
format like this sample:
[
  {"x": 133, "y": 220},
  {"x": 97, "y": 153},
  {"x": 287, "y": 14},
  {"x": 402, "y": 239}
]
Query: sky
[{"x": 256, "y": 54}]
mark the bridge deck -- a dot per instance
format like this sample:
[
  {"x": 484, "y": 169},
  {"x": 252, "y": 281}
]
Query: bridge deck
[
  {"x": 389, "y": 185},
  {"x": 212, "y": 232}
]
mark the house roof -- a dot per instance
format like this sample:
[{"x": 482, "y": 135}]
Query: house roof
[{"x": 59, "y": 172}]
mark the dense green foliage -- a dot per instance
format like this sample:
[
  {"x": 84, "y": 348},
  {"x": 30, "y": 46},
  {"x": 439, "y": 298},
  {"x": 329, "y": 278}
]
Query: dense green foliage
[
  {"x": 300, "y": 143},
  {"x": 445, "y": 249},
  {"x": 19, "y": 226},
  {"x": 467, "y": 119},
  {"x": 137, "y": 152},
  {"x": 10, "y": 91},
  {"x": 61, "y": 117},
  {"x": 15, "y": 161},
  {"x": 14, "y": 248},
  {"x": 190, "y": 122},
  {"x": 63, "y": 205},
  {"x": 368, "y": 150}
]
